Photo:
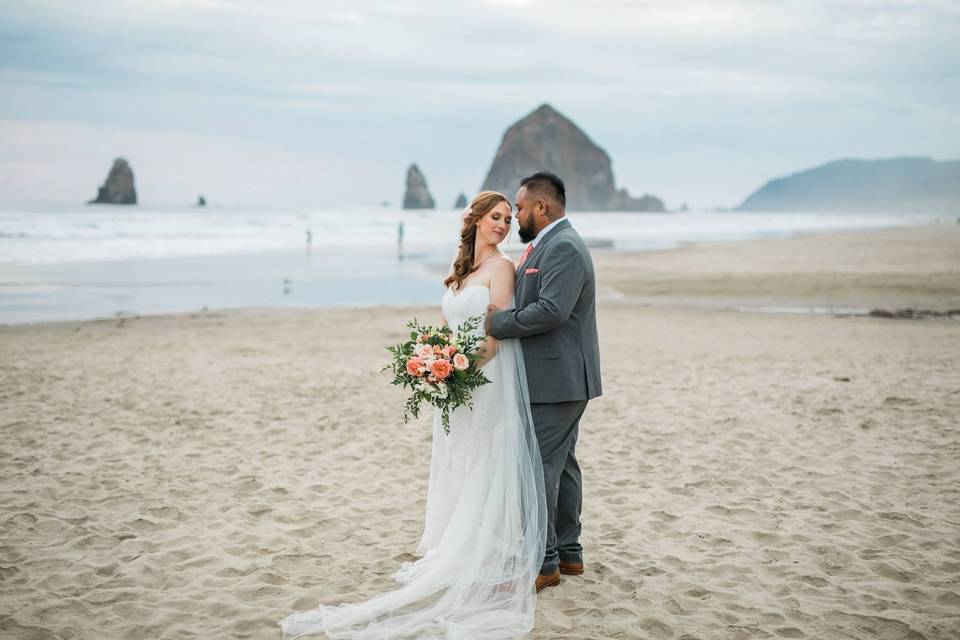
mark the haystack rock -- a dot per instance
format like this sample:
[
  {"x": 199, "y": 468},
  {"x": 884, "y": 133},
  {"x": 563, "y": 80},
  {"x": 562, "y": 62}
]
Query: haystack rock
[
  {"x": 417, "y": 195},
  {"x": 118, "y": 188},
  {"x": 547, "y": 140},
  {"x": 461, "y": 202}
]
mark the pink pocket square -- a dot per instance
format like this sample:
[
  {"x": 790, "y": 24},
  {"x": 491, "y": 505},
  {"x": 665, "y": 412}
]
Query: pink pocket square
[{"x": 531, "y": 270}]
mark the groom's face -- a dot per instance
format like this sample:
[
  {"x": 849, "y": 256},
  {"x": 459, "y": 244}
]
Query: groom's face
[{"x": 526, "y": 215}]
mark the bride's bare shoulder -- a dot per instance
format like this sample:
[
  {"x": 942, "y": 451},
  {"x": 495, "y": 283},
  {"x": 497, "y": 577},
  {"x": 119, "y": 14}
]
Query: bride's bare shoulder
[{"x": 503, "y": 267}]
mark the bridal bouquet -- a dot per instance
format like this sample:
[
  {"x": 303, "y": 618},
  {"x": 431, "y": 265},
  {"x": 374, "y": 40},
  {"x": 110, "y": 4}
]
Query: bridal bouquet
[{"x": 439, "y": 365}]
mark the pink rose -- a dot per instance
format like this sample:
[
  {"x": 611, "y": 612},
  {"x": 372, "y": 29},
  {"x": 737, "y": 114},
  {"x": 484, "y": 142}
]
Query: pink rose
[
  {"x": 413, "y": 366},
  {"x": 448, "y": 351},
  {"x": 424, "y": 350},
  {"x": 441, "y": 369},
  {"x": 460, "y": 362}
]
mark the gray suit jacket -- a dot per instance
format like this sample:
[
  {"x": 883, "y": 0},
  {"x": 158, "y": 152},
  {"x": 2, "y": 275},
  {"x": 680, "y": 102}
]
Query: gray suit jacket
[{"x": 555, "y": 315}]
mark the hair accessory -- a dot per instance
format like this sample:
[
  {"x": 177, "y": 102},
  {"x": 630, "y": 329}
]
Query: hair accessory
[{"x": 466, "y": 213}]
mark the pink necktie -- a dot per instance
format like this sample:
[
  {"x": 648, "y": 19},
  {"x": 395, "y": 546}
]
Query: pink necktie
[{"x": 525, "y": 254}]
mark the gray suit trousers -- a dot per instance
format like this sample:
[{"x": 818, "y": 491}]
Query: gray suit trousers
[{"x": 557, "y": 425}]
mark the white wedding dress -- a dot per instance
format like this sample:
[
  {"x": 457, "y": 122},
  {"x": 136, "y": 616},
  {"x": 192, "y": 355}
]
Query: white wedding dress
[{"x": 485, "y": 523}]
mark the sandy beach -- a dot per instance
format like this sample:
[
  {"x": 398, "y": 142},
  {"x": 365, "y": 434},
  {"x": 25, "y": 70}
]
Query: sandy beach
[{"x": 746, "y": 474}]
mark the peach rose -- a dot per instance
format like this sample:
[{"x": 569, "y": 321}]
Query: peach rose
[
  {"x": 460, "y": 362},
  {"x": 413, "y": 366},
  {"x": 448, "y": 351},
  {"x": 441, "y": 369},
  {"x": 424, "y": 350}
]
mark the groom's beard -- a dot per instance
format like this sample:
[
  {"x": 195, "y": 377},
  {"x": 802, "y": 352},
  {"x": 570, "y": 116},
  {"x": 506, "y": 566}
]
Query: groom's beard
[{"x": 526, "y": 233}]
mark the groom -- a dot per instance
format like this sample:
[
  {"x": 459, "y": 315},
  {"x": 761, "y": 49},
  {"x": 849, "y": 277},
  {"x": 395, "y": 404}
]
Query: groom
[{"x": 555, "y": 315}]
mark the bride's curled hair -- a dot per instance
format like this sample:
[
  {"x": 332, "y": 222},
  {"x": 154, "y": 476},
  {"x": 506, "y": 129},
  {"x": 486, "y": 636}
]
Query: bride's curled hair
[{"x": 480, "y": 206}]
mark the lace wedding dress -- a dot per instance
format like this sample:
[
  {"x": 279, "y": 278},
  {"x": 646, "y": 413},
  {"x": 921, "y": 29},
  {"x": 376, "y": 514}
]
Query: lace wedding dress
[{"x": 485, "y": 522}]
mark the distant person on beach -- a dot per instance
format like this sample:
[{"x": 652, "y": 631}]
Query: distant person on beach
[{"x": 400, "y": 239}]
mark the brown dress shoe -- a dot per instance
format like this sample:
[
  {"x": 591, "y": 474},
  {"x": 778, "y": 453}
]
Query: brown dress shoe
[
  {"x": 571, "y": 568},
  {"x": 551, "y": 580}
]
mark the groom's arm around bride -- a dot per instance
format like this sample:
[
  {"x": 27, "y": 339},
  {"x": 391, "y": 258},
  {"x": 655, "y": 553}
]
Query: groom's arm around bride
[
  {"x": 554, "y": 315},
  {"x": 558, "y": 278}
]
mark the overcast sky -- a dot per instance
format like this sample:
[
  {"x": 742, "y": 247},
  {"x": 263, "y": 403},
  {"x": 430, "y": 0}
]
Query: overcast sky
[{"x": 319, "y": 104}]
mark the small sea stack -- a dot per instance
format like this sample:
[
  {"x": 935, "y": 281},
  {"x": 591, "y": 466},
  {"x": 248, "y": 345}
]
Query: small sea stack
[
  {"x": 417, "y": 195},
  {"x": 461, "y": 202},
  {"x": 118, "y": 187}
]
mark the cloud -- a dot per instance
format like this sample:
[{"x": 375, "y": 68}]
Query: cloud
[{"x": 377, "y": 85}]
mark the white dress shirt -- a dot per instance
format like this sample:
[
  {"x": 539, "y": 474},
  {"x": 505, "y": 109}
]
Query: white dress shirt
[{"x": 544, "y": 231}]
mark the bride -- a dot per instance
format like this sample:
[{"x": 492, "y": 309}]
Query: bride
[{"x": 485, "y": 524}]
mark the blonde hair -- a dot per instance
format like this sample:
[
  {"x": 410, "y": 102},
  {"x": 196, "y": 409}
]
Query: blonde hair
[{"x": 481, "y": 205}]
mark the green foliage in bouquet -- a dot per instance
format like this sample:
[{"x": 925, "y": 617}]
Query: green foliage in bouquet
[{"x": 439, "y": 366}]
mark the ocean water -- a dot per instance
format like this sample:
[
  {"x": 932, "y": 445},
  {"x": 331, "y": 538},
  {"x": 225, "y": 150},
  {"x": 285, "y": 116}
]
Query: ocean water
[{"x": 78, "y": 262}]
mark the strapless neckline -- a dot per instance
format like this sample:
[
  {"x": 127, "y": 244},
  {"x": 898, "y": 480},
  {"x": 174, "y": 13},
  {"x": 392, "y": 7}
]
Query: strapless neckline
[{"x": 469, "y": 286}]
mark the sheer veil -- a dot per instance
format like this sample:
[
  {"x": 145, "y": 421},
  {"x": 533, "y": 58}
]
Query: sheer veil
[{"x": 484, "y": 531}]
